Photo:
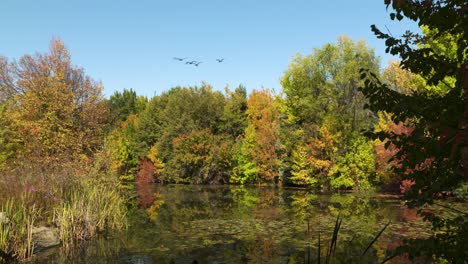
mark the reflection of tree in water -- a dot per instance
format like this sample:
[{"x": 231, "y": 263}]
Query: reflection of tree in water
[
  {"x": 409, "y": 214},
  {"x": 152, "y": 211},
  {"x": 143, "y": 179},
  {"x": 243, "y": 200},
  {"x": 240, "y": 224},
  {"x": 262, "y": 250},
  {"x": 145, "y": 195},
  {"x": 270, "y": 206},
  {"x": 362, "y": 219},
  {"x": 304, "y": 206}
]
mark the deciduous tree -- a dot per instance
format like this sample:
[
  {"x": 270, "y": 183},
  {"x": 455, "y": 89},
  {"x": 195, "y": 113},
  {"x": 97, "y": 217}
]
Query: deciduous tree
[
  {"x": 56, "y": 108},
  {"x": 323, "y": 109}
]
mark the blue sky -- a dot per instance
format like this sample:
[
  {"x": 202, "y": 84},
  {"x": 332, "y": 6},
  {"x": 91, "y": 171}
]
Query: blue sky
[{"x": 131, "y": 43}]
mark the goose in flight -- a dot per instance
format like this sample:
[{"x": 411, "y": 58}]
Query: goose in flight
[
  {"x": 179, "y": 59},
  {"x": 220, "y": 60}
]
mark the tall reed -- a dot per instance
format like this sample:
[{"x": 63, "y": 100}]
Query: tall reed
[
  {"x": 16, "y": 229},
  {"x": 78, "y": 196},
  {"x": 89, "y": 209},
  {"x": 330, "y": 253}
]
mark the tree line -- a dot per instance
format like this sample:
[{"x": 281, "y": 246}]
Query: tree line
[{"x": 309, "y": 134}]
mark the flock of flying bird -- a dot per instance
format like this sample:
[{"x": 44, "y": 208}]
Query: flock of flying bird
[{"x": 193, "y": 62}]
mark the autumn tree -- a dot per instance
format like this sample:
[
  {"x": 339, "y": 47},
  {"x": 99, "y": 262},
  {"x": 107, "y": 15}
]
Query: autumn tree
[
  {"x": 125, "y": 109},
  {"x": 355, "y": 169},
  {"x": 258, "y": 158},
  {"x": 246, "y": 170},
  {"x": 10, "y": 139},
  {"x": 176, "y": 112},
  {"x": 404, "y": 82},
  {"x": 176, "y": 116},
  {"x": 58, "y": 111},
  {"x": 323, "y": 108},
  {"x": 302, "y": 170},
  {"x": 122, "y": 145},
  {"x": 200, "y": 157},
  {"x": 401, "y": 80}
]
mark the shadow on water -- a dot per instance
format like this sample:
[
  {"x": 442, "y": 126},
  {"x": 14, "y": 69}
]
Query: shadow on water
[{"x": 233, "y": 224}]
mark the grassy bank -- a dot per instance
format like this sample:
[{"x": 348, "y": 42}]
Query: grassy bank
[
  {"x": 16, "y": 229},
  {"x": 93, "y": 208},
  {"x": 77, "y": 201}
]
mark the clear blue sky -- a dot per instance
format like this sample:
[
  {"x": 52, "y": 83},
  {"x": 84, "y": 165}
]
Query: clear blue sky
[{"x": 131, "y": 43}]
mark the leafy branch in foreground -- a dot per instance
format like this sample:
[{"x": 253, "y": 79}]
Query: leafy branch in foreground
[{"x": 433, "y": 154}]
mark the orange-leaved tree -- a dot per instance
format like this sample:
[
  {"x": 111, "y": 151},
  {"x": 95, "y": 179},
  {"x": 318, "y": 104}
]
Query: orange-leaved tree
[
  {"x": 258, "y": 160},
  {"x": 57, "y": 110}
]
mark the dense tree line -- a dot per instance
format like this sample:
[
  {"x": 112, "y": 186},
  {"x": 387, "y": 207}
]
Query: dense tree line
[{"x": 307, "y": 135}]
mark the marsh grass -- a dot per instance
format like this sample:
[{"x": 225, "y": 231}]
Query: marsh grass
[
  {"x": 89, "y": 210},
  {"x": 80, "y": 201},
  {"x": 16, "y": 231}
]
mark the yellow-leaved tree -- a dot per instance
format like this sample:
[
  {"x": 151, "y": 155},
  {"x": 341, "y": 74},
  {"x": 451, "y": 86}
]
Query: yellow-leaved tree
[{"x": 57, "y": 110}]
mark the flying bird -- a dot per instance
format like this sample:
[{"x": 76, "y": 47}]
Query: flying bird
[
  {"x": 220, "y": 60},
  {"x": 190, "y": 62},
  {"x": 179, "y": 59},
  {"x": 197, "y": 63}
]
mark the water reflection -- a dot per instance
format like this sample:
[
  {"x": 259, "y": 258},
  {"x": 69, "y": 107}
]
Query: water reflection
[{"x": 234, "y": 224}]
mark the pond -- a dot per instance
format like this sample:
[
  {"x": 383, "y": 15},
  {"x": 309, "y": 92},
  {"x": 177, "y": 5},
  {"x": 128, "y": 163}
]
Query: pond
[{"x": 234, "y": 224}]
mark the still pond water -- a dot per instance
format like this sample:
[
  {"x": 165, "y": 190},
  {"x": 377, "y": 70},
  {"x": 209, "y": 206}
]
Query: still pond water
[{"x": 232, "y": 224}]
